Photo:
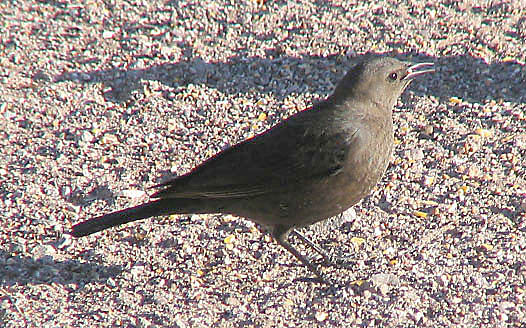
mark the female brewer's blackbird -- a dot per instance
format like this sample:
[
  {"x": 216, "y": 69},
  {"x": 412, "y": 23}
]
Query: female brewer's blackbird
[{"x": 312, "y": 166}]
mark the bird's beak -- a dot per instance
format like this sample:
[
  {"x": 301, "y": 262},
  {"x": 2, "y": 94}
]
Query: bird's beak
[{"x": 413, "y": 71}]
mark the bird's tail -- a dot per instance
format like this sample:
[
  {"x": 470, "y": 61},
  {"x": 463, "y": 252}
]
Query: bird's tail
[{"x": 154, "y": 208}]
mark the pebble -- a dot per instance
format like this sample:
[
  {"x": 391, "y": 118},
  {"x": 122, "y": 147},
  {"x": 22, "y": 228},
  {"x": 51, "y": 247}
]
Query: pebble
[
  {"x": 414, "y": 154},
  {"x": 321, "y": 316},
  {"x": 46, "y": 253},
  {"x": 132, "y": 193},
  {"x": 87, "y": 136}
]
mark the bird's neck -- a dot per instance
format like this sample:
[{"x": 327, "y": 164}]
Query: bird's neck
[{"x": 360, "y": 105}]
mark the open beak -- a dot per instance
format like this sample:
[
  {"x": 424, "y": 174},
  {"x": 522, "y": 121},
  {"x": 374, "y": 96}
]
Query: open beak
[{"x": 417, "y": 70}]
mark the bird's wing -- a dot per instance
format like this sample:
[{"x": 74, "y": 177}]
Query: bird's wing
[{"x": 283, "y": 157}]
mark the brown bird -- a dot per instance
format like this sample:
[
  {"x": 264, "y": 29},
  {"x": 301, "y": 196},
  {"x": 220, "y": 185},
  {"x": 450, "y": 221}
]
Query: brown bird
[{"x": 312, "y": 166}]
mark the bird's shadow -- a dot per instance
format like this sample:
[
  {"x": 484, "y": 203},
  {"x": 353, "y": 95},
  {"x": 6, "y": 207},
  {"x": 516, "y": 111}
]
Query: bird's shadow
[
  {"x": 25, "y": 270},
  {"x": 280, "y": 76},
  {"x": 463, "y": 76}
]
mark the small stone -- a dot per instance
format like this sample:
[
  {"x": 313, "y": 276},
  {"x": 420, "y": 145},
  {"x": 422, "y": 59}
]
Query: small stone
[
  {"x": 428, "y": 129},
  {"x": 110, "y": 139},
  {"x": 137, "y": 271},
  {"x": 506, "y": 306},
  {"x": 384, "y": 282},
  {"x": 428, "y": 181},
  {"x": 172, "y": 124},
  {"x": 452, "y": 208},
  {"x": 357, "y": 241},
  {"x": 230, "y": 239},
  {"x": 472, "y": 143},
  {"x": 444, "y": 280},
  {"x": 473, "y": 171},
  {"x": 420, "y": 214},
  {"x": 65, "y": 191},
  {"x": 520, "y": 141},
  {"x": 484, "y": 133},
  {"x": 455, "y": 100},
  {"x": 321, "y": 316},
  {"x": 87, "y": 136},
  {"x": 390, "y": 251},
  {"x": 267, "y": 276},
  {"x": 45, "y": 253},
  {"x": 415, "y": 154},
  {"x": 502, "y": 316},
  {"x": 262, "y": 117},
  {"x": 132, "y": 193},
  {"x": 108, "y": 34},
  {"x": 487, "y": 247}
]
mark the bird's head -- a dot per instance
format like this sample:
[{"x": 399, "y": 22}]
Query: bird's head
[{"x": 380, "y": 79}]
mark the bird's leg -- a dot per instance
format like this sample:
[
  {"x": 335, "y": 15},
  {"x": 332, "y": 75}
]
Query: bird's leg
[
  {"x": 331, "y": 260},
  {"x": 280, "y": 234},
  {"x": 312, "y": 245}
]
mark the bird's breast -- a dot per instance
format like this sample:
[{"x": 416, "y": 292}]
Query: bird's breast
[{"x": 367, "y": 161}]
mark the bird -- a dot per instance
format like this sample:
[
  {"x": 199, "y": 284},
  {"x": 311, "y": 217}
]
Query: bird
[{"x": 311, "y": 166}]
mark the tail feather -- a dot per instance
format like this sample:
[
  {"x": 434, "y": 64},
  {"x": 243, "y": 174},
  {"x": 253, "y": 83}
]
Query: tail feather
[{"x": 154, "y": 208}]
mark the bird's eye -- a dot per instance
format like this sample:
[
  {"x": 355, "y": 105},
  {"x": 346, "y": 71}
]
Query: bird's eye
[{"x": 393, "y": 76}]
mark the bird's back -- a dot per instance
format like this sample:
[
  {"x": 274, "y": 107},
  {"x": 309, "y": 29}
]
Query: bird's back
[{"x": 313, "y": 165}]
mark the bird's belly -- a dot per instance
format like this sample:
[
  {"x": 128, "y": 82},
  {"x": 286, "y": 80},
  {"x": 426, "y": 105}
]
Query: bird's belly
[{"x": 314, "y": 202}]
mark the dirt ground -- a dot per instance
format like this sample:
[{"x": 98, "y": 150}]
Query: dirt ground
[{"x": 100, "y": 100}]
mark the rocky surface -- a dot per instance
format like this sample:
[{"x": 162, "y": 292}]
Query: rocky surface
[{"x": 101, "y": 100}]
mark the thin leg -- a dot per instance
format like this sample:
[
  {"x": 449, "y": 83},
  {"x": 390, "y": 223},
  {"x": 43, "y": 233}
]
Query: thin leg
[
  {"x": 312, "y": 245},
  {"x": 330, "y": 260},
  {"x": 280, "y": 234}
]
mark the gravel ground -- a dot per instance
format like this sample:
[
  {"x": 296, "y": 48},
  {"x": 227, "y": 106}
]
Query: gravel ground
[{"x": 101, "y": 100}]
